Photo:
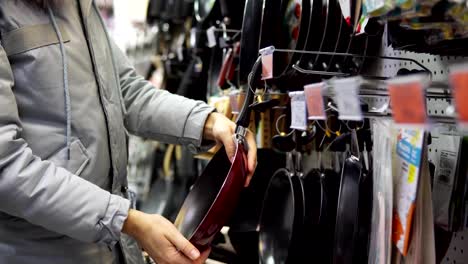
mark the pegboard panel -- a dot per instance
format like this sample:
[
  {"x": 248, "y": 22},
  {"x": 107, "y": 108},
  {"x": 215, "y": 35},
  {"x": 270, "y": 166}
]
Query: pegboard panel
[
  {"x": 457, "y": 252},
  {"x": 435, "y": 107},
  {"x": 437, "y": 65},
  {"x": 439, "y": 107}
]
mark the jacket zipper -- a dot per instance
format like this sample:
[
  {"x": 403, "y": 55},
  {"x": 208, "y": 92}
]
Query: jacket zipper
[{"x": 100, "y": 91}]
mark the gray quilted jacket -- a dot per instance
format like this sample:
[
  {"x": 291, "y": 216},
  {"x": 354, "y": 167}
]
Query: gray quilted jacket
[{"x": 68, "y": 96}]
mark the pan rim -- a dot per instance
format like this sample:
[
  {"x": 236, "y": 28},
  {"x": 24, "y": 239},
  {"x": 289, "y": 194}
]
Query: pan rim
[{"x": 238, "y": 152}]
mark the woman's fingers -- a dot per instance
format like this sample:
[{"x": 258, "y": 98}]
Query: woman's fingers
[
  {"x": 251, "y": 157},
  {"x": 182, "y": 244},
  {"x": 203, "y": 257}
]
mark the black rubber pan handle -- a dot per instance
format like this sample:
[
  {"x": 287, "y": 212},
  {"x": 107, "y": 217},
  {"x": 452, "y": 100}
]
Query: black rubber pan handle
[{"x": 244, "y": 117}]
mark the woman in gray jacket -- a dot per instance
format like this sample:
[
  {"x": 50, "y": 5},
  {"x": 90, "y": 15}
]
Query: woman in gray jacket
[{"x": 68, "y": 96}]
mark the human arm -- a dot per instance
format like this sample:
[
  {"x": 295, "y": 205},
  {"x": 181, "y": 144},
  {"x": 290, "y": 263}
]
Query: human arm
[
  {"x": 157, "y": 114},
  {"x": 42, "y": 193}
]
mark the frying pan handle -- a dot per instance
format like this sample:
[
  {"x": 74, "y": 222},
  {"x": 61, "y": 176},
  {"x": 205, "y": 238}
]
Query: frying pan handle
[
  {"x": 233, "y": 66},
  {"x": 244, "y": 117},
  {"x": 227, "y": 64}
]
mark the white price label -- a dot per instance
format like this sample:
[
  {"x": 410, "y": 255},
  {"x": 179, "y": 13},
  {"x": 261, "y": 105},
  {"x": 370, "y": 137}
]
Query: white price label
[
  {"x": 347, "y": 98},
  {"x": 298, "y": 111},
  {"x": 210, "y": 34}
]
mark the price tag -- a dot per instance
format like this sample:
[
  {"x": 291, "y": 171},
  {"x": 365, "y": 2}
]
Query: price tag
[
  {"x": 236, "y": 99},
  {"x": 407, "y": 100},
  {"x": 314, "y": 99},
  {"x": 267, "y": 62},
  {"x": 347, "y": 98},
  {"x": 210, "y": 35},
  {"x": 298, "y": 111},
  {"x": 459, "y": 82}
]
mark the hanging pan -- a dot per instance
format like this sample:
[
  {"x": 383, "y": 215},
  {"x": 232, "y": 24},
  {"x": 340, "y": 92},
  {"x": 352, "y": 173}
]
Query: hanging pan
[
  {"x": 317, "y": 33},
  {"x": 291, "y": 35},
  {"x": 286, "y": 208},
  {"x": 343, "y": 40},
  {"x": 250, "y": 38},
  {"x": 282, "y": 217},
  {"x": 348, "y": 206},
  {"x": 214, "y": 196}
]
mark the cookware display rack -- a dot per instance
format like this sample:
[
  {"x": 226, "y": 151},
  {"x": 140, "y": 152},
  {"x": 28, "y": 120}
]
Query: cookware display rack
[{"x": 440, "y": 108}]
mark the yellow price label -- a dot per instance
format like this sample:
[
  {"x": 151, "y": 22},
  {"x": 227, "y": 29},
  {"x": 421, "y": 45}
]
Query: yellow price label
[
  {"x": 411, "y": 173},
  {"x": 414, "y": 140}
]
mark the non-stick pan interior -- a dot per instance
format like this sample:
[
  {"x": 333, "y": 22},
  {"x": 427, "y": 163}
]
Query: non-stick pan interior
[
  {"x": 277, "y": 219},
  {"x": 203, "y": 194}
]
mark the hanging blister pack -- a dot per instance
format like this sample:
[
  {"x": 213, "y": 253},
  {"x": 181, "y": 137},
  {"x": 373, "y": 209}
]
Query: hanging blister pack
[
  {"x": 298, "y": 111},
  {"x": 407, "y": 169},
  {"x": 422, "y": 247},
  {"x": 347, "y": 98},
  {"x": 446, "y": 170},
  {"x": 385, "y": 134}
]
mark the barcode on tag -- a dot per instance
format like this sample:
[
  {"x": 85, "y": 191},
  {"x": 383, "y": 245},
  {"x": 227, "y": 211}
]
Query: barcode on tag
[
  {"x": 298, "y": 111},
  {"x": 447, "y": 166},
  {"x": 210, "y": 35},
  {"x": 347, "y": 98},
  {"x": 314, "y": 99}
]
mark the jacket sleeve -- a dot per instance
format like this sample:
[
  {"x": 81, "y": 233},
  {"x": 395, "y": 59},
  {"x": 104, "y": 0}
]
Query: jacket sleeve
[
  {"x": 46, "y": 195},
  {"x": 157, "y": 114}
]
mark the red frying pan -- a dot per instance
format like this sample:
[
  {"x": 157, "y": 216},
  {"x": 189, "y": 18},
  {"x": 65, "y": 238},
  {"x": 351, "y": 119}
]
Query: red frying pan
[{"x": 214, "y": 196}]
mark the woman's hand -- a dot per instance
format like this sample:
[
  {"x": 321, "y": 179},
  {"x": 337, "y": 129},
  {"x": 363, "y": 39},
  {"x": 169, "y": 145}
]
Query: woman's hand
[
  {"x": 161, "y": 239},
  {"x": 219, "y": 128}
]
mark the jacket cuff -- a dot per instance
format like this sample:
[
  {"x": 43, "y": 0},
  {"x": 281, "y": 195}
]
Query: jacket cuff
[
  {"x": 193, "y": 131},
  {"x": 112, "y": 223}
]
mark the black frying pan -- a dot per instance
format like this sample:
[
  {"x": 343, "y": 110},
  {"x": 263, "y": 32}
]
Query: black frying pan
[
  {"x": 316, "y": 32},
  {"x": 347, "y": 216},
  {"x": 282, "y": 218},
  {"x": 331, "y": 37},
  {"x": 296, "y": 18},
  {"x": 250, "y": 41},
  {"x": 342, "y": 42},
  {"x": 321, "y": 195}
]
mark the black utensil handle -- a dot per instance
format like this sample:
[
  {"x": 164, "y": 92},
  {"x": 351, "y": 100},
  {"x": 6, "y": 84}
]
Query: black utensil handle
[{"x": 244, "y": 117}]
